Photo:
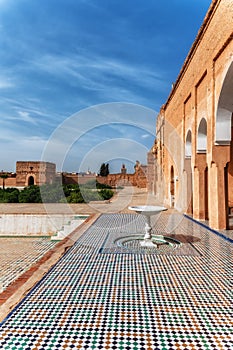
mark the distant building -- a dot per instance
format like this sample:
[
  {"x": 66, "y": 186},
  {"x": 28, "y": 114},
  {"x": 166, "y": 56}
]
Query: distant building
[
  {"x": 78, "y": 178},
  {"x": 123, "y": 169},
  {"x": 34, "y": 173},
  {"x": 39, "y": 173},
  {"x": 31, "y": 173},
  {"x": 138, "y": 178}
]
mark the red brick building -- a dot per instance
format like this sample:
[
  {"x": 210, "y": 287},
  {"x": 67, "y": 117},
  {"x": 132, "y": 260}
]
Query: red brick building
[
  {"x": 31, "y": 173},
  {"x": 194, "y": 128}
]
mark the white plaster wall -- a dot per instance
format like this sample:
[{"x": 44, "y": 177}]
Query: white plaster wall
[{"x": 28, "y": 224}]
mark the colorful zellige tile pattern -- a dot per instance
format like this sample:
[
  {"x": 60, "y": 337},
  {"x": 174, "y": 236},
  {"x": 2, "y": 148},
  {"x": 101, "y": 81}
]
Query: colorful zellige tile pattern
[
  {"x": 17, "y": 254},
  {"x": 97, "y": 299}
]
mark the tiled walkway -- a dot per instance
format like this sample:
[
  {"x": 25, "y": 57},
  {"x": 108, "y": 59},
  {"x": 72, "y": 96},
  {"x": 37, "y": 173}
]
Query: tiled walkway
[{"x": 104, "y": 296}]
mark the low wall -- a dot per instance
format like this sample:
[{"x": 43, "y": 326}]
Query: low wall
[{"x": 33, "y": 225}]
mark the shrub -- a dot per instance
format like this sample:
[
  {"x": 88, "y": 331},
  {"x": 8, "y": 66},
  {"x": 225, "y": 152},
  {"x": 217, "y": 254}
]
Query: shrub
[
  {"x": 106, "y": 194},
  {"x": 75, "y": 197},
  {"x": 51, "y": 193},
  {"x": 30, "y": 194},
  {"x": 12, "y": 195}
]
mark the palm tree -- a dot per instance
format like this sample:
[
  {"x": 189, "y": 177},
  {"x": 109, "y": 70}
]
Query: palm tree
[{"x": 3, "y": 177}]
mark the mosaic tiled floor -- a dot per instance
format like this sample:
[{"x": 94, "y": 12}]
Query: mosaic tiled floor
[
  {"x": 95, "y": 299},
  {"x": 17, "y": 254}
]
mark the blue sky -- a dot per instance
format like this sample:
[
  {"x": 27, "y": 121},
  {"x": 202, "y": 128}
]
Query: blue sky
[{"x": 94, "y": 72}]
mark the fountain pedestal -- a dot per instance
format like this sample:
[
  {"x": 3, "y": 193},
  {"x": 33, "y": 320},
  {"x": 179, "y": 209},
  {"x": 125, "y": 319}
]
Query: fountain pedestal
[{"x": 147, "y": 211}]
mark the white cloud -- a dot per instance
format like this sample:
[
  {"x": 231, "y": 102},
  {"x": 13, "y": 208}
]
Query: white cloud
[
  {"x": 28, "y": 109},
  {"x": 25, "y": 116},
  {"x": 98, "y": 72}
]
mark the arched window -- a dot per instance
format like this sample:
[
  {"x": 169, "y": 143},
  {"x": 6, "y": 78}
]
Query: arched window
[
  {"x": 202, "y": 137},
  {"x": 30, "y": 181},
  {"x": 188, "y": 145},
  {"x": 225, "y": 110}
]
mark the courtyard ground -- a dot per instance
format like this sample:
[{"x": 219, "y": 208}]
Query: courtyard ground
[{"x": 98, "y": 289}]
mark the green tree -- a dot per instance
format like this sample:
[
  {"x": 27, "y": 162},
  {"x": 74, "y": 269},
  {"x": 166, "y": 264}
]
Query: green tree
[
  {"x": 106, "y": 193},
  {"x": 107, "y": 169},
  {"x": 75, "y": 197},
  {"x": 104, "y": 169},
  {"x": 3, "y": 177},
  {"x": 12, "y": 195},
  {"x": 56, "y": 194},
  {"x": 30, "y": 194},
  {"x": 51, "y": 193},
  {"x": 3, "y": 196},
  {"x": 102, "y": 186}
]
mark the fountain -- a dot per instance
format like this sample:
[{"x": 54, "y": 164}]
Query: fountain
[{"x": 148, "y": 211}]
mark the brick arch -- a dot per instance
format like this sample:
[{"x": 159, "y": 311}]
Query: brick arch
[
  {"x": 30, "y": 180},
  {"x": 225, "y": 109}
]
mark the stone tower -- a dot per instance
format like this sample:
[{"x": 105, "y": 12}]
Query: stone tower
[{"x": 34, "y": 173}]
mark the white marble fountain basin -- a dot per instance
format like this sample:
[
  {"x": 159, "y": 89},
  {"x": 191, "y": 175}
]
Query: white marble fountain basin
[{"x": 148, "y": 210}]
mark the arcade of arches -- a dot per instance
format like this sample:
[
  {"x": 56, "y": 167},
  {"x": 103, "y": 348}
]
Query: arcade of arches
[{"x": 193, "y": 151}]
